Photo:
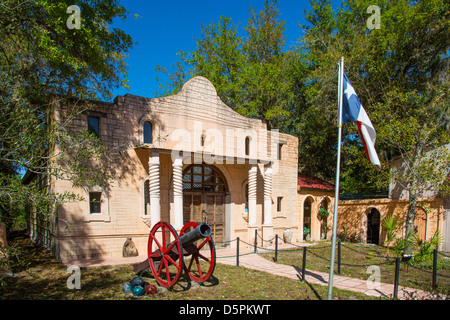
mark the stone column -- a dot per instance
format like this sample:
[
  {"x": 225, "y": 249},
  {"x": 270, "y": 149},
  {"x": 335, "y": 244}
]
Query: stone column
[
  {"x": 252, "y": 226},
  {"x": 252, "y": 195},
  {"x": 154, "y": 186},
  {"x": 267, "y": 227},
  {"x": 268, "y": 196},
  {"x": 178, "y": 192}
]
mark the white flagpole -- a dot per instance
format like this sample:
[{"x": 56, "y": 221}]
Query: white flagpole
[{"x": 336, "y": 192}]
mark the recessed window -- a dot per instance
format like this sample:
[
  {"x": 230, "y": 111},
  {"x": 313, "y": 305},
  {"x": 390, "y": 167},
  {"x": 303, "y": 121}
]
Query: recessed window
[
  {"x": 94, "y": 125},
  {"x": 146, "y": 197},
  {"x": 280, "y": 150},
  {"x": 148, "y": 136},
  {"x": 247, "y": 146},
  {"x": 279, "y": 200},
  {"x": 95, "y": 202}
]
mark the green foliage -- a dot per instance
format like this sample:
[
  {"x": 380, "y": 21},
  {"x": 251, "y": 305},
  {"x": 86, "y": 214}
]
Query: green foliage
[
  {"x": 390, "y": 225},
  {"x": 42, "y": 60},
  {"x": 11, "y": 261},
  {"x": 402, "y": 243},
  {"x": 425, "y": 248},
  {"x": 254, "y": 74},
  {"x": 323, "y": 213},
  {"x": 394, "y": 73}
]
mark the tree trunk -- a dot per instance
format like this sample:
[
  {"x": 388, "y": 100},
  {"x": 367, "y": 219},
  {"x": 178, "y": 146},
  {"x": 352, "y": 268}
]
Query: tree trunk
[{"x": 409, "y": 230}]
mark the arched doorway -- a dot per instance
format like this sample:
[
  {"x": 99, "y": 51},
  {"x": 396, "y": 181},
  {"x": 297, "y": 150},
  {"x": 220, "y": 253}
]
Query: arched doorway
[
  {"x": 306, "y": 218},
  {"x": 204, "y": 191},
  {"x": 373, "y": 226}
]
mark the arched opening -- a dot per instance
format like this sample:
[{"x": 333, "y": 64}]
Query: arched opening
[
  {"x": 373, "y": 226},
  {"x": 204, "y": 191},
  {"x": 307, "y": 219}
]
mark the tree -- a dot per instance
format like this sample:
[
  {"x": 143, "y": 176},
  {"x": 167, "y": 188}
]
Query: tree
[
  {"x": 254, "y": 74},
  {"x": 399, "y": 75},
  {"x": 45, "y": 56},
  {"x": 316, "y": 127}
]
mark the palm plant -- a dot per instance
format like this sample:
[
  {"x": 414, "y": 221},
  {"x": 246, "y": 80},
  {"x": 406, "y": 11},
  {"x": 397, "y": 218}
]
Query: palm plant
[
  {"x": 390, "y": 223},
  {"x": 425, "y": 248}
]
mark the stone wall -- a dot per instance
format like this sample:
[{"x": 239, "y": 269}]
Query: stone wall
[{"x": 353, "y": 216}]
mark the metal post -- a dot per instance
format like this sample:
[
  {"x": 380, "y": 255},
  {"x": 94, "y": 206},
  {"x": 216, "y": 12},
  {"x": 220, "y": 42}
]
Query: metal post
[
  {"x": 276, "y": 247},
  {"x": 434, "y": 285},
  {"x": 339, "y": 257},
  {"x": 256, "y": 239},
  {"x": 304, "y": 264},
  {"x": 237, "y": 252},
  {"x": 397, "y": 274},
  {"x": 336, "y": 191}
]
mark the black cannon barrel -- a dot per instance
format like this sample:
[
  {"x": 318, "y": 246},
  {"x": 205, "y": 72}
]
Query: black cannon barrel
[{"x": 200, "y": 232}]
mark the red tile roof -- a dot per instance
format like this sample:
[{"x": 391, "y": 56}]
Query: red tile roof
[{"x": 314, "y": 183}]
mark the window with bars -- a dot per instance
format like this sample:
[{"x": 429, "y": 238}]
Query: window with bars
[{"x": 202, "y": 177}]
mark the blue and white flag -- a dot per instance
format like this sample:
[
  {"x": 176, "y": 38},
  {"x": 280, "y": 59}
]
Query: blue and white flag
[{"x": 353, "y": 111}]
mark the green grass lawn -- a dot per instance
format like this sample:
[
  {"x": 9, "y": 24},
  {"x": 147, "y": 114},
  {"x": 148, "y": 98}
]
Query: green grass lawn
[
  {"x": 356, "y": 258},
  {"x": 42, "y": 277}
]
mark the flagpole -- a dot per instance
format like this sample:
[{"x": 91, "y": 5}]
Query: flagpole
[{"x": 336, "y": 192}]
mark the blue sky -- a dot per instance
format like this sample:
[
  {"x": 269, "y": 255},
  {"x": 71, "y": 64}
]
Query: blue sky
[{"x": 163, "y": 28}]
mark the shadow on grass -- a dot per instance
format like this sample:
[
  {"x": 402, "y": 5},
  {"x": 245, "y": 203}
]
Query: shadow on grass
[{"x": 320, "y": 278}]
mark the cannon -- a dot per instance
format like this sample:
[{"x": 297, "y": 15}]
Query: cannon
[{"x": 167, "y": 251}]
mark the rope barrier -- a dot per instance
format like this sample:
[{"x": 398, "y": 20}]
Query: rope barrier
[
  {"x": 270, "y": 240},
  {"x": 428, "y": 271},
  {"x": 389, "y": 260},
  {"x": 374, "y": 256}
]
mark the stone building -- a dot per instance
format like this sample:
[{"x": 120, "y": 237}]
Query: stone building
[{"x": 188, "y": 157}]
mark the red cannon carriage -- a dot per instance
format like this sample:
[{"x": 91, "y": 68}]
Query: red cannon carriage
[{"x": 167, "y": 252}]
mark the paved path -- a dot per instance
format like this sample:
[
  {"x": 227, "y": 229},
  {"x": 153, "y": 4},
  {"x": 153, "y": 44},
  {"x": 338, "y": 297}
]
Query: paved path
[
  {"x": 250, "y": 260},
  {"x": 256, "y": 262}
]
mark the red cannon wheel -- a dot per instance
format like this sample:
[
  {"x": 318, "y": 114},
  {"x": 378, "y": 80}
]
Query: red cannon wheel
[
  {"x": 204, "y": 256},
  {"x": 165, "y": 258}
]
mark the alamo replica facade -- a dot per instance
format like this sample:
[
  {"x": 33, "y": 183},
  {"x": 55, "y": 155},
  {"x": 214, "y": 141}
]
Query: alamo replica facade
[{"x": 190, "y": 157}]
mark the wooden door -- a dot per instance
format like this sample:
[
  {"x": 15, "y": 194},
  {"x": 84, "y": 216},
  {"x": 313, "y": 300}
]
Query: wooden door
[
  {"x": 214, "y": 214},
  {"x": 205, "y": 207},
  {"x": 192, "y": 208}
]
